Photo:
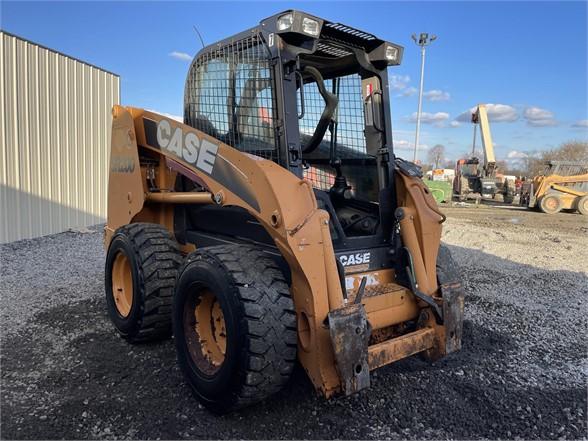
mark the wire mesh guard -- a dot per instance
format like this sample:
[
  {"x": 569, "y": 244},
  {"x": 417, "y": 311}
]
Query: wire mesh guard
[
  {"x": 347, "y": 133},
  {"x": 229, "y": 96},
  {"x": 349, "y": 116}
]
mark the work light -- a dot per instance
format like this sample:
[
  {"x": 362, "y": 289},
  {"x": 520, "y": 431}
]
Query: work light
[
  {"x": 310, "y": 26},
  {"x": 285, "y": 22},
  {"x": 391, "y": 53}
]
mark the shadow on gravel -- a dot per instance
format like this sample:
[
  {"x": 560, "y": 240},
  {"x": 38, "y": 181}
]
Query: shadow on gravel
[{"x": 67, "y": 375}]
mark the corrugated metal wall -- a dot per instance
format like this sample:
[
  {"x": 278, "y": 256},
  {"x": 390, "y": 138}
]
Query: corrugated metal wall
[{"x": 55, "y": 138}]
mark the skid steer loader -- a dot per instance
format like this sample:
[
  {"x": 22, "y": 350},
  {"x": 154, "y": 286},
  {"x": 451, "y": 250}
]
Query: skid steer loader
[{"x": 276, "y": 224}]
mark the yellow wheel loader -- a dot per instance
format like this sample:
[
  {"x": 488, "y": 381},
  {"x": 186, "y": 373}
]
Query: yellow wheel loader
[
  {"x": 276, "y": 225},
  {"x": 562, "y": 186}
]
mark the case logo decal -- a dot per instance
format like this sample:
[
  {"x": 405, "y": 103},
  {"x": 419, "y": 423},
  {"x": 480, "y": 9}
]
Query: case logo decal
[
  {"x": 355, "y": 259},
  {"x": 187, "y": 146}
]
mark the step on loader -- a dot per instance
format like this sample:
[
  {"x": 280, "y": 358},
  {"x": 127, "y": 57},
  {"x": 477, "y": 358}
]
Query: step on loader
[{"x": 275, "y": 225}]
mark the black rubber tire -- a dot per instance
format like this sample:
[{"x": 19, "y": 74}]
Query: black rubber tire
[
  {"x": 447, "y": 270},
  {"x": 260, "y": 324},
  {"x": 582, "y": 205},
  {"x": 154, "y": 258},
  {"x": 545, "y": 208}
]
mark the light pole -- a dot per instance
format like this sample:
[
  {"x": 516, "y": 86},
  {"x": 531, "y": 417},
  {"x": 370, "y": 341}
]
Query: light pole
[{"x": 423, "y": 41}]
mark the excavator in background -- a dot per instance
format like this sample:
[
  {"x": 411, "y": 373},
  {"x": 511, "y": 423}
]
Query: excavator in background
[
  {"x": 562, "y": 186},
  {"x": 475, "y": 180}
]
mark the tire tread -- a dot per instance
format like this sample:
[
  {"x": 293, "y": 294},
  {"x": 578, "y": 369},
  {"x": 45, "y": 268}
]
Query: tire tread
[
  {"x": 158, "y": 256},
  {"x": 267, "y": 315}
]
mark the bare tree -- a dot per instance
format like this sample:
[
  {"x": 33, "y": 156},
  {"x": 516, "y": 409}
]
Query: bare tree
[
  {"x": 568, "y": 151},
  {"x": 475, "y": 154},
  {"x": 502, "y": 166},
  {"x": 448, "y": 163},
  {"x": 435, "y": 155}
]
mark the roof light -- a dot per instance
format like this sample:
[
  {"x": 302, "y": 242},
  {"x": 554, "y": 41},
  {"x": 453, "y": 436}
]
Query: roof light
[
  {"x": 310, "y": 26},
  {"x": 392, "y": 53},
  {"x": 285, "y": 22}
]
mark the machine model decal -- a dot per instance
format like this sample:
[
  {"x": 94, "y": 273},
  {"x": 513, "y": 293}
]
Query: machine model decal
[{"x": 122, "y": 164}]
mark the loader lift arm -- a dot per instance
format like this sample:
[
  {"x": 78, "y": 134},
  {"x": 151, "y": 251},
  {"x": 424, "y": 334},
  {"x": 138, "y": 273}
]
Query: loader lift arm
[
  {"x": 480, "y": 117},
  {"x": 301, "y": 234}
]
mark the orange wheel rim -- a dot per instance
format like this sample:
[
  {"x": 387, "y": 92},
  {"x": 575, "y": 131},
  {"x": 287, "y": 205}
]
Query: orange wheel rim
[
  {"x": 551, "y": 203},
  {"x": 204, "y": 325},
  {"x": 122, "y": 284}
]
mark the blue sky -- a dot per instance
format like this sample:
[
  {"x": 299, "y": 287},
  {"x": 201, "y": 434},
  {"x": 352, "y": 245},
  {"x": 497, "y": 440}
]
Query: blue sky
[{"x": 529, "y": 59}]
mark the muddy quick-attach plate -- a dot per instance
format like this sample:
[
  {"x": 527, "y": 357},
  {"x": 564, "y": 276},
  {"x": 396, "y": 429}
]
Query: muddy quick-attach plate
[
  {"x": 453, "y": 299},
  {"x": 350, "y": 335}
]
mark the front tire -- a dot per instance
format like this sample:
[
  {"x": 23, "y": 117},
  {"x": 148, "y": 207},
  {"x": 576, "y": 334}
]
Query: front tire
[
  {"x": 140, "y": 273},
  {"x": 234, "y": 326},
  {"x": 550, "y": 204}
]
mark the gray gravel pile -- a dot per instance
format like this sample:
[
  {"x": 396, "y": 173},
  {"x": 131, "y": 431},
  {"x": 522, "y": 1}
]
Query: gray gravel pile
[
  {"x": 522, "y": 371},
  {"x": 52, "y": 270}
]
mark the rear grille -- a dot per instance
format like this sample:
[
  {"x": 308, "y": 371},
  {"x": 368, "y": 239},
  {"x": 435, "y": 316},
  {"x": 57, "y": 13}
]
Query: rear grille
[
  {"x": 349, "y": 30},
  {"x": 324, "y": 48},
  {"x": 349, "y": 36}
]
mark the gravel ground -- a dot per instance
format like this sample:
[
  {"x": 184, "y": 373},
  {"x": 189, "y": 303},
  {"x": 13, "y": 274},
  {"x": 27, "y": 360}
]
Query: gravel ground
[{"x": 522, "y": 372}]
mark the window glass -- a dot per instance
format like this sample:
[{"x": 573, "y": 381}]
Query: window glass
[
  {"x": 348, "y": 138},
  {"x": 230, "y": 97}
]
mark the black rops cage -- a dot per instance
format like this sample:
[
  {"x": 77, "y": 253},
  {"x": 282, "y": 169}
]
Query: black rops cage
[
  {"x": 238, "y": 92},
  {"x": 229, "y": 95}
]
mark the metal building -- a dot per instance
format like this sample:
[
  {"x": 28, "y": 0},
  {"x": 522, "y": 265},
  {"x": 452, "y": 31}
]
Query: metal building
[{"x": 54, "y": 139}]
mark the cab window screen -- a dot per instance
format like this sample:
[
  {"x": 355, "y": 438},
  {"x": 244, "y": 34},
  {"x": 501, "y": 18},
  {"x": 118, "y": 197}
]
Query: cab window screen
[
  {"x": 229, "y": 96},
  {"x": 347, "y": 135},
  {"x": 350, "y": 137}
]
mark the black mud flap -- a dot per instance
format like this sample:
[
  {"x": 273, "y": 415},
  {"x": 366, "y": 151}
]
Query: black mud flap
[
  {"x": 453, "y": 296},
  {"x": 350, "y": 335}
]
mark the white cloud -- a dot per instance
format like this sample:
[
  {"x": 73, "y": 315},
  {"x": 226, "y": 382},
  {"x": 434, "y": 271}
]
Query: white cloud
[
  {"x": 399, "y": 82},
  {"x": 409, "y": 91},
  {"x": 583, "y": 123},
  {"x": 515, "y": 154},
  {"x": 516, "y": 159},
  {"x": 496, "y": 113},
  {"x": 538, "y": 117},
  {"x": 404, "y": 145},
  {"x": 180, "y": 56},
  {"x": 437, "y": 119},
  {"x": 454, "y": 124},
  {"x": 168, "y": 115},
  {"x": 436, "y": 95}
]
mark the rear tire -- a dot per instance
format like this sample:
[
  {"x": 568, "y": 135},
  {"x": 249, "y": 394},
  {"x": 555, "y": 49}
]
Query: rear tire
[
  {"x": 140, "y": 273},
  {"x": 582, "y": 205},
  {"x": 248, "y": 351},
  {"x": 550, "y": 204}
]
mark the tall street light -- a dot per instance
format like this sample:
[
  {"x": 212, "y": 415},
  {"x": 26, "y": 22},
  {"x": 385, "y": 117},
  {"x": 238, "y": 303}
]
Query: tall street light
[{"x": 423, "y": 41}]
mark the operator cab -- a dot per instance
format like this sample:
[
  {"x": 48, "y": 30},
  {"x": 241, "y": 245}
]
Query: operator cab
[
  {"x": 312, "y": 96},
  {"x": 469, "y": 168}
]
